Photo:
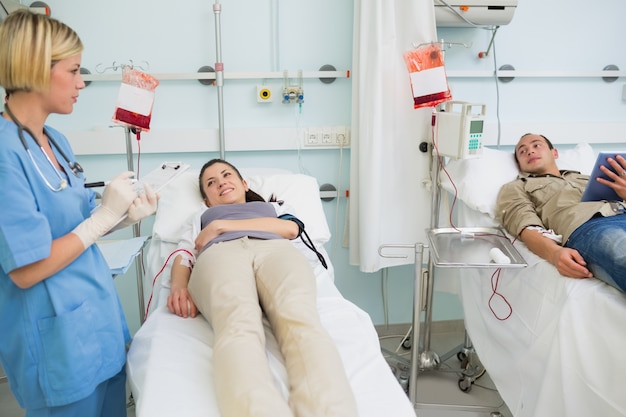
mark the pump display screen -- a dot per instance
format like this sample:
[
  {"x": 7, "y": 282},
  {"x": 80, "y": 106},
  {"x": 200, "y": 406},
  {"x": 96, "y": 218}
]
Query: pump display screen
[{"x": 476, "y": 126}]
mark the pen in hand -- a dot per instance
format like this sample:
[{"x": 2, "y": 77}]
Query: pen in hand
[{"x": 103, "y": 183}]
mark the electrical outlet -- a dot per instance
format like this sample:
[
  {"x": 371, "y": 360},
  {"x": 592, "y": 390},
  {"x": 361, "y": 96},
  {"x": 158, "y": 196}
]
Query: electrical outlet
[
  {"x": 327, "y": 137},
  {"x": 263, "y": 94},
  {"x": 342, "y": 136}
]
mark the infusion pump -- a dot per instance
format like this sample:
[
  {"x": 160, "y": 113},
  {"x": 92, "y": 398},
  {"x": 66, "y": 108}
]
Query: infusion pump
[{"x": 458, "y": 129}]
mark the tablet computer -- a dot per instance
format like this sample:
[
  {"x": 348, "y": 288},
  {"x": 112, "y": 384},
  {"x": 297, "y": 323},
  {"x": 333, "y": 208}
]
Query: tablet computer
[{"x": 596, "y": 191}]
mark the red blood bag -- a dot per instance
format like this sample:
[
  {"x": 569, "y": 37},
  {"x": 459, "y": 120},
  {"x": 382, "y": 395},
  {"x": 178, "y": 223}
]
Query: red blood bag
[
  {"x": 135, "y": 99},
  {"x": 429, "y": 83}
]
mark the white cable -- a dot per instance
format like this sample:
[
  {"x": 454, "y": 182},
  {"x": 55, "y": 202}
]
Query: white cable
[
  {"x": 495, "y": 76},
  {"x": 340, "y": 168}
]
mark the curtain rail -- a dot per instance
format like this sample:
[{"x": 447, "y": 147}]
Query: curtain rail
[{"x": 227, "y": 75}]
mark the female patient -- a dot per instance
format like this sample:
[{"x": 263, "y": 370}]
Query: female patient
[{"x": 247, "y": 267}]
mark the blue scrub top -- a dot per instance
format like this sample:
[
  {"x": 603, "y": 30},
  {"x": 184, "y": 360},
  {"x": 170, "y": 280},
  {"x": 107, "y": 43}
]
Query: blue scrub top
[{"x": 62, "y": 337}]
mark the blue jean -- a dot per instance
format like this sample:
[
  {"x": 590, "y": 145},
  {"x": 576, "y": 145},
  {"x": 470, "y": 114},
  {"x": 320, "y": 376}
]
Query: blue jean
[
  {"x": 601, "y": 241},
  {"x": 108, "y": 400}
]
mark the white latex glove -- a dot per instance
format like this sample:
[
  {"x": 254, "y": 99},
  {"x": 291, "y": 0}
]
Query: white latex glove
[
  {"x": 144, "y": 205},
  {"x": 119, "y": 194},
  {"x": 116, "y": 199}
]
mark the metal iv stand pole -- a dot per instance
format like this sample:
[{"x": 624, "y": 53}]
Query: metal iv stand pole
[
  {"x": 219, "y": 76},
  {"x": 136, "y": 231},
  {"x": 427, "y": 359}
]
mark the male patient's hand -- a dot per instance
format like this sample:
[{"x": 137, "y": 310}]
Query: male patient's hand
[
  {"x": 616, "y": 175},
  {"x": 570, "y": 263}
]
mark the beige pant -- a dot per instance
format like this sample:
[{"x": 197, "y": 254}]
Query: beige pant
[{"x": 230, "y": 283}]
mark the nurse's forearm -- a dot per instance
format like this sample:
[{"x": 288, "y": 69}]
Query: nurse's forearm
[{"x": 63, "y": 251}]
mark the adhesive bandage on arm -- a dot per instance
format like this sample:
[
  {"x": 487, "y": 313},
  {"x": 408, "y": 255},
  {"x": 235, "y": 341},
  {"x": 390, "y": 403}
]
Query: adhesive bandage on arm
[{"x": 547, "y": 233}]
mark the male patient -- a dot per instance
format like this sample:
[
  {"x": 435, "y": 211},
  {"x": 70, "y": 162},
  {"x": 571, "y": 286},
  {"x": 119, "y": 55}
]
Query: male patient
[{"x": 543, "y": 207}]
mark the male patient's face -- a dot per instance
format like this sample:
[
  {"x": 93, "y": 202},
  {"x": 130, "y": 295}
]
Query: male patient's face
[{"x": 534, "y": 155}]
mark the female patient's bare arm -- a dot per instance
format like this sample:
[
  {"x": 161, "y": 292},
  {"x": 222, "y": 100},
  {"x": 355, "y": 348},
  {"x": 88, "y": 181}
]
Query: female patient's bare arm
[
  {"x": 179, "y": 301},
  {"x": 285, "y": 228},
  {"x": 567, "y": 261}
]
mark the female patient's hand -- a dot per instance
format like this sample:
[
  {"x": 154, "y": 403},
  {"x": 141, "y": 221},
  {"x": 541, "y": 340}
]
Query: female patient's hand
[
  {"x": 208, "y": 233},
  {"x": 180, "y": 303}
]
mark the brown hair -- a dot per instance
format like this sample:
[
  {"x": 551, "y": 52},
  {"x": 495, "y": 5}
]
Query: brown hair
[{"x": 250, "y": 195}]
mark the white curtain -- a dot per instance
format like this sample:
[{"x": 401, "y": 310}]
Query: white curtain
[{"x": 389, "y": 203}]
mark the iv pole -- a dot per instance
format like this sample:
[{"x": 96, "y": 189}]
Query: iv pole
[
  {"x": 219, "y": 75},
  {"x": 136, "y": 231}
]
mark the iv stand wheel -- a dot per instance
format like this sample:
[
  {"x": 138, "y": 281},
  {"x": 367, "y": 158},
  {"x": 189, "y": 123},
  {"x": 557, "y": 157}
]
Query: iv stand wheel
[
  {"x": 407, "y": 343},
  {"x": 465, "y": 384}
]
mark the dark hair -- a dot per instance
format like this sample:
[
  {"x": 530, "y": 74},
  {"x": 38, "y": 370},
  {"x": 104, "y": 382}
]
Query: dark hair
[
  {"x": 550, "y": 146},
  {"x": 250, "y": 195}
]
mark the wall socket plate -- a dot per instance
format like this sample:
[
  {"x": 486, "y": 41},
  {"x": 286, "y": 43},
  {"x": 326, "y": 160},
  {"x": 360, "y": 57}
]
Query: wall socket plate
[
  {"x": 263, "y": 94},
  {"x": 328, "y": 136}
]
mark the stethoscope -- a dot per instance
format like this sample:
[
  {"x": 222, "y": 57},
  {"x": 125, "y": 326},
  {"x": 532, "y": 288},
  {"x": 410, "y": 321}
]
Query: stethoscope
[{"x": 74, "y": 166}]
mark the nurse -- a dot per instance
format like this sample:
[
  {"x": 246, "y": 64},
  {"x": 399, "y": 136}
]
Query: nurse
[{"x": 62, "y": 329}]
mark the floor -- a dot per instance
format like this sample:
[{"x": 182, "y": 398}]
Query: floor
[{"x": 438, "y": 393}]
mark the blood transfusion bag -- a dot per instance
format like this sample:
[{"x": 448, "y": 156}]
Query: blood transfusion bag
[
  {"x": 428, "y": 76},
  {"x": 135, "y": 99}
]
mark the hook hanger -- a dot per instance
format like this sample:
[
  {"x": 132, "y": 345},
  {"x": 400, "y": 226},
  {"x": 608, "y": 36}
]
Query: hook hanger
[
  {"x": 443, "y": 44},
  {"x": 100, "y": 68}
]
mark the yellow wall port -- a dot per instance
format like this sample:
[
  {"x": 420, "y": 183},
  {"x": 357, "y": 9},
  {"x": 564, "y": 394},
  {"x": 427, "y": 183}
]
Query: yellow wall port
[{"x": 263, "y": 94}]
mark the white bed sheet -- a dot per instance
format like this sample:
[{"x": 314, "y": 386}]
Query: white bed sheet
[
  {"x": 169, "y": 361},
  {"x": 561, "y": 352},
  {"x": 170, "y": 371}
]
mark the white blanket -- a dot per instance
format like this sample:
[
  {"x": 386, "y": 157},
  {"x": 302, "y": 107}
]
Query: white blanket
[
  {"x": 561, "y": 352},
  {"x": 170, "y": 371}
]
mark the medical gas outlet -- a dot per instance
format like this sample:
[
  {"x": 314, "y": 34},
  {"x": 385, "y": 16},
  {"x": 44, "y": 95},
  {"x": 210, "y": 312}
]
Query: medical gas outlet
[
  {"x": 293, "y": 94},
  {"x": 263, "y": 94}
]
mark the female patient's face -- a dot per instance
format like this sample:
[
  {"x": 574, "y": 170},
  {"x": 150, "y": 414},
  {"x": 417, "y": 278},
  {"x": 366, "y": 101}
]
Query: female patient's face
[{"x": 222, "y": 185}]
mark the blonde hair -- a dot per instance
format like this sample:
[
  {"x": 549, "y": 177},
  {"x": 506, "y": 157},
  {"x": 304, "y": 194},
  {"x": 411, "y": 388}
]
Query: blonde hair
[{"x": 30, "y": 44}]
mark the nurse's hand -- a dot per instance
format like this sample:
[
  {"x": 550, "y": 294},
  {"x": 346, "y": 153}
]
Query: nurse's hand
[
  {"x": 116, "y": 199},
  {"x": 119, "y": 194},
  {"x": 144, "y": 205}
]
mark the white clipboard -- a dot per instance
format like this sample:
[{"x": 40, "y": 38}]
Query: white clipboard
[{"x": 162, "y": 175}]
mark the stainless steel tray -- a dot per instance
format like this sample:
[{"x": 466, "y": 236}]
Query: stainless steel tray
[{"x": 469, "y": 247}]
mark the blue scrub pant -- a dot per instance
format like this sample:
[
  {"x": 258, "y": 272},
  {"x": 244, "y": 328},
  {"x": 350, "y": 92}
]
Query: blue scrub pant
[
  {"x": 601, "y": 241},
  {"x": 108, "y": 400}
]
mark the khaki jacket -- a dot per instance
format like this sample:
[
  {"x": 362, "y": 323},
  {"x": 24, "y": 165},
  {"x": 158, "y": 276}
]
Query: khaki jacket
[{"x": 547, "y": 201}]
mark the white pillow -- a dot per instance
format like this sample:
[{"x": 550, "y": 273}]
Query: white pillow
[
  {"x": 478, "y": 180},
  {"x": 181, "y": 198}
]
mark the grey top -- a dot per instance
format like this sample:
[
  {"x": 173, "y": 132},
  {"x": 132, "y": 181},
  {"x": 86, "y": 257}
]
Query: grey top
[{"x": 251, "y": 210}]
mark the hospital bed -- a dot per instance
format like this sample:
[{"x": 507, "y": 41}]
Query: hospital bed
[
  {"x": 561, "y": 350},
  {"x": 169, "y": 361}
]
